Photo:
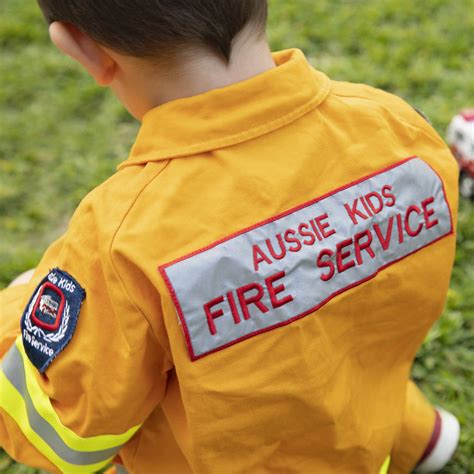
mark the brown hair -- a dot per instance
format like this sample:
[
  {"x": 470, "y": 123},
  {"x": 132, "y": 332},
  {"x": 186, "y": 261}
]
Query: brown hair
[{"x": 160, "y": 28}]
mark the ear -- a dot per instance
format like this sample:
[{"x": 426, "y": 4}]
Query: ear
[{"x": 76, "y": 44}]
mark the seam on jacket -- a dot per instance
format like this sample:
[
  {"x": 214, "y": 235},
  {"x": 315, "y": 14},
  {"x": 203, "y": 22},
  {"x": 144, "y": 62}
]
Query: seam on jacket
[
  {"x": 162, "y": 168},
  {"x": 434, "y": 136}
]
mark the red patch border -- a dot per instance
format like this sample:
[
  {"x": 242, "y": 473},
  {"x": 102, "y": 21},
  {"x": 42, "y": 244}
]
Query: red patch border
[
  {"x": 42, "y": 324},
  {"x": 174, "y": 296}
]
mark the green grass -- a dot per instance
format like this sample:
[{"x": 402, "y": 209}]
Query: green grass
[{"x": 60, "y": 136}]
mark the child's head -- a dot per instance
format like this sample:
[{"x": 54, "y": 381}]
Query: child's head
[
  {"x": 134, "y": 46},
  {"x": 160, "y": 29}
]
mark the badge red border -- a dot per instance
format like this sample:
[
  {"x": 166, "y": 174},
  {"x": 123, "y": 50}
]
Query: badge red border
[
  {"x": 174, "y": 296},
  {"x": 42, "y": 324}
]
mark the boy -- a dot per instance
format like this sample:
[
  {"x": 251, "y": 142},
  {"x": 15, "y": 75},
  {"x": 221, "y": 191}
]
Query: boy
[{"x": 248, "y": 292}]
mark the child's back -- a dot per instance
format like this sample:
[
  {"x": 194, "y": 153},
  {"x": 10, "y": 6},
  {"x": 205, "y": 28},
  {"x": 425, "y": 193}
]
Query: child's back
[{"x": 258, "y": 276}]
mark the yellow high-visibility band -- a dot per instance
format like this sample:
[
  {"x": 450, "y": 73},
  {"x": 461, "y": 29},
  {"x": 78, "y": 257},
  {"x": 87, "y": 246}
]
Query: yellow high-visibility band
[
  {"x": 386, "y": 465},
  {"x": 12, "y": 402},
  {"x": 23, "y": 399},
  {"x": 43, "y": 405}
]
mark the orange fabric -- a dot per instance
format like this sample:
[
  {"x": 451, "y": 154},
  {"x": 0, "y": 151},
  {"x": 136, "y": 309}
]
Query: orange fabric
[
  {"x": 16, "y": 445},
  {"x": 324, "y": 394},
  {"x": 10, "y": 311}
]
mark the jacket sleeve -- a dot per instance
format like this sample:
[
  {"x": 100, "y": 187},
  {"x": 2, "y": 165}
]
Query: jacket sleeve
[
  {"x": 10, "y": 310},
  {"x": 85, "y": 370}
]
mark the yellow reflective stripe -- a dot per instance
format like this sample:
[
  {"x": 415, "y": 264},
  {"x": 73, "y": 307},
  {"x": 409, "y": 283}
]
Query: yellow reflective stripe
[
  {"x": 23, "y": 399},
  {"x": 386, "y": 465},
  {"x": 12, "y": 402},
  {"x": 44, "y": 407}
]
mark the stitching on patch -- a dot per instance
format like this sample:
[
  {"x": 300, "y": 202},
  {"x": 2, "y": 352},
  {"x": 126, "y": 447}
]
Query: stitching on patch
[{"x": 175, "y": 298}]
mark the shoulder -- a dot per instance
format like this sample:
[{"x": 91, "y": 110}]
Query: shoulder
[
  {"x": 384, "y": 107},
  {"x": 102, "y": 213},
  {"x": 85, "y": 255}
]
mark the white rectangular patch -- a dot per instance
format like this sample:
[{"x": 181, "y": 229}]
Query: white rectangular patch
[{"x": 289, "y": 266}]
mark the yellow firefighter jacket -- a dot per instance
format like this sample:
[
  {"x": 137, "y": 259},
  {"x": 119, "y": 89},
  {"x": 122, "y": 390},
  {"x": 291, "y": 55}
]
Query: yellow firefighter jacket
[{"x": 245, "y": 295}]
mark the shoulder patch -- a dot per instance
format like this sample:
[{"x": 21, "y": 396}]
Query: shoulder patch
[
  {"x": 50, "y": 318},
  {"x": 290, "y": 265}
]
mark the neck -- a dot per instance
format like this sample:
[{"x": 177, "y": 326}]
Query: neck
[
  {"x": 207, "y": 72},
  {"x": 195, "y": 74}
]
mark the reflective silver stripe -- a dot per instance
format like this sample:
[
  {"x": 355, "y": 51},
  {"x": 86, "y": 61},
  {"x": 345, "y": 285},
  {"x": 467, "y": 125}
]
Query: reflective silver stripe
[
  {"x": 14, "y": 370},
  {"x": 120, "y": 469}
]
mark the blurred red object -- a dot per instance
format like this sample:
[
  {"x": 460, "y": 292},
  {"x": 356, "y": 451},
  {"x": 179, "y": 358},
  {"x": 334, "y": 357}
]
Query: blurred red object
[{"x": 461, "y": 140}]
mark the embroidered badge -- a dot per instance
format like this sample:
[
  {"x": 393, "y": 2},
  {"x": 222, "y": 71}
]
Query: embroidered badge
[
  {"x": 289, "y": 266},
  {"x": 50, "y": 318}
]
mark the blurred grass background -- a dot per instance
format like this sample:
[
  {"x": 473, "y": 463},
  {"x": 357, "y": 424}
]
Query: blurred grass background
[{"x": 60, "y": 136}]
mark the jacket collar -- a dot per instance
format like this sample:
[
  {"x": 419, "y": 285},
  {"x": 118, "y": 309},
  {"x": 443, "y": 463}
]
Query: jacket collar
[{"x": 231, "y": 115}]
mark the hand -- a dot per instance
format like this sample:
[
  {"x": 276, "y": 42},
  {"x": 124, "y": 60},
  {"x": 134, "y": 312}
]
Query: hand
[{"x": 23, "y": 279}]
